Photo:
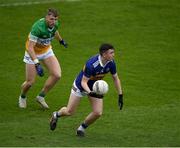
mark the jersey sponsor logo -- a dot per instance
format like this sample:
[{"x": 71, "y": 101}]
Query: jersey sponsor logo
[
  {"x": 102, "y": 71},
  {"x": 44, "y": 41},
  {"x": 41, "y": 41}
]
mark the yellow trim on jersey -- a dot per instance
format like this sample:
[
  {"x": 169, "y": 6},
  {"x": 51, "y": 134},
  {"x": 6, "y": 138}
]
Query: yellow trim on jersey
[
  {"x": 38, "y": 48},
  {"x": 97, "y": 77}
]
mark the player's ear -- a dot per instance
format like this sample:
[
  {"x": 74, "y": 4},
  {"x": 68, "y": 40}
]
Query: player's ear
[{"x": 104, "y": 54}]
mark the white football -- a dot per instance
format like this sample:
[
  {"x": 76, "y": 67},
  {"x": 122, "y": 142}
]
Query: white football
[{"x": 100, "y": 87}]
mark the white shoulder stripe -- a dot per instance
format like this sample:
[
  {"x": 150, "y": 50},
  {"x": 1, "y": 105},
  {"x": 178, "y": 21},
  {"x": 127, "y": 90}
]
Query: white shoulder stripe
[{"x": 95, "y": 64}]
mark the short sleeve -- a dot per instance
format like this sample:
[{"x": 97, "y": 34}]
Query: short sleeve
[
  {"x": 87, "y": 71},
  {"x": 35, "y": 32},
  {"x": 113, "y": 68}
]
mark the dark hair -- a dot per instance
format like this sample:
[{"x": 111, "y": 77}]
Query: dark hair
[
  {"x": 52, "y": 11},
  {"x": 104, "y": 47}
]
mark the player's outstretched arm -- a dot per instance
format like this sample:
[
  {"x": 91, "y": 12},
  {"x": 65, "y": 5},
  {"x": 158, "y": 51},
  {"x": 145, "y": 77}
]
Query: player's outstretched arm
[
  {"x": 60, "y": 39},
  {"x": 118, "y": 87}
]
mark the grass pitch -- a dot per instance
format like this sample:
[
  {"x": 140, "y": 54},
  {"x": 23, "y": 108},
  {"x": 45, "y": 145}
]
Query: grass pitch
[{"x": 146, "y": 36}]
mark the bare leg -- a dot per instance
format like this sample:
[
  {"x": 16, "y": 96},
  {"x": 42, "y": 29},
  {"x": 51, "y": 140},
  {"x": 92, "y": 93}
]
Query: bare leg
[
  {"x": 65, "y": 111},
  {"x": 53, "y": 66},
  {"x": 54, "y": 69},
  {"x": 71, "y": 107},
  {"x": 30, "y": 78},
  {"x": 97, "y": 109}
]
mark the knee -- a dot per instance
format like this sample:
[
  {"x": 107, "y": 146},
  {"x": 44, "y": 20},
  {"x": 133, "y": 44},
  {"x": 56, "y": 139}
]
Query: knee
[
  {"x": 57, "y": 76},
  {"x": 97, "y": 114},
  {"x": 28, "y": 83}
]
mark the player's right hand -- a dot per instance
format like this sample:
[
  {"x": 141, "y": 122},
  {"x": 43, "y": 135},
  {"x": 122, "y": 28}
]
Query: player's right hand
[
  {"x": 93, "y": 94},
  {"x": 39, "y": 69}
]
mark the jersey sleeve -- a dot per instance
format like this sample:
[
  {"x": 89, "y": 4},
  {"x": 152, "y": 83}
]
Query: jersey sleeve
[
  {"x": 34, "y": 34},
  {"x": 87, "y": 71},
  {"x": 113, "y": 68}
]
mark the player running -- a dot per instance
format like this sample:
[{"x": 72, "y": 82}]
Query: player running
[
  {"x": 38, "y": 48},
  {"x": 95, "y": 69}
]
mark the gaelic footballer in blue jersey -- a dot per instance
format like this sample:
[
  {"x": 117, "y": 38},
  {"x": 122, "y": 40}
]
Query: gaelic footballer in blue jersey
[{"x": 95, "y": 69}]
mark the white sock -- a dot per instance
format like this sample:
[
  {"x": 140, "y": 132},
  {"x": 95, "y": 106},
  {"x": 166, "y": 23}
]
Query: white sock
[
  {"x": 80, "y": 128},
  {"x": 58, "y": 114}
]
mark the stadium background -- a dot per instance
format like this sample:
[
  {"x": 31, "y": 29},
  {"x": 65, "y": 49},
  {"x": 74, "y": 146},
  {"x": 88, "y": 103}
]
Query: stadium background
[{"x": 146, "y": 36}]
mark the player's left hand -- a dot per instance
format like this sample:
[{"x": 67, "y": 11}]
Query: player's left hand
[
  {"x": 62, "y": 42},
  {"x": 120, "y": 101}
]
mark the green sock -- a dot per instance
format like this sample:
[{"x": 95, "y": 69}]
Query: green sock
[
  {"x": 42, "y": 94},
  {"x": 23, "y": 96}
]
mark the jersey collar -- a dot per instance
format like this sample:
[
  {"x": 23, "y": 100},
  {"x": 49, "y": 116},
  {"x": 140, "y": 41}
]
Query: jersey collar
[
  {"x": 50, "y": 29},
  {"x": 100, "y": 61}
]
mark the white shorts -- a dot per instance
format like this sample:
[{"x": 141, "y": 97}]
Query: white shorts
[
  {"x": 75, "y": 90},
  {"x": 27, "y": 59}
]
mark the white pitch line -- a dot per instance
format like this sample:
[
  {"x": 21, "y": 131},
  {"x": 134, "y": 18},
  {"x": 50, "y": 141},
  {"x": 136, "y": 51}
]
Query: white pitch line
[{"x": 34, "y": 3}]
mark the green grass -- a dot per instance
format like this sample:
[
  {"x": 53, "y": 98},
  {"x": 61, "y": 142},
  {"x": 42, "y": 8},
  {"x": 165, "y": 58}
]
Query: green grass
[{"x": 146, "y": 36}]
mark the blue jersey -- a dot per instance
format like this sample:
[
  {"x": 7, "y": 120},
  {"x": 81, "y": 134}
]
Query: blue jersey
[{"x": 95, "y": 70}]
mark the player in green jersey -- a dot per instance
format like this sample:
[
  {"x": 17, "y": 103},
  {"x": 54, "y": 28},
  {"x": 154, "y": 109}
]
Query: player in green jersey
[{"x": 38, "y": 48}]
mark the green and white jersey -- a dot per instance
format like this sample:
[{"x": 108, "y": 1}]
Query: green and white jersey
[{"x": 42, "y": 35}]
